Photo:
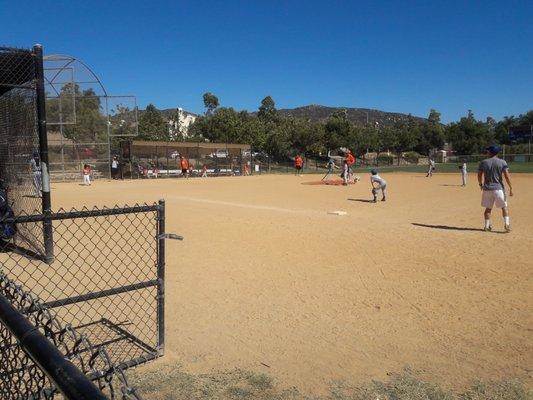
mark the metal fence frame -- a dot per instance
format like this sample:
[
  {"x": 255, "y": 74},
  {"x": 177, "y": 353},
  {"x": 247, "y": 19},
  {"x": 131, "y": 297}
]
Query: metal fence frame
[{"x": 131, "y": 215}]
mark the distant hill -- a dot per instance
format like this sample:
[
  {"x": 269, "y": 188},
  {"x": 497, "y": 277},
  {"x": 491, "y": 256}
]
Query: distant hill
[
  {"x": 318, "y": 113},
  {"x": 358, "y": 116}
]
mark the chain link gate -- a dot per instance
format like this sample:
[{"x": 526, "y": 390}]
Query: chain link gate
[
  {"x": 106, "y": 282},
  {"x": 91, "y": 281}
]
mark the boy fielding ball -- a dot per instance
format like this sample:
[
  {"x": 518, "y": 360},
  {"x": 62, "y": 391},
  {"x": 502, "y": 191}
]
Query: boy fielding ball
[
  {"x": 378, "y": 183},
  {"x": 489, "y": 176}
]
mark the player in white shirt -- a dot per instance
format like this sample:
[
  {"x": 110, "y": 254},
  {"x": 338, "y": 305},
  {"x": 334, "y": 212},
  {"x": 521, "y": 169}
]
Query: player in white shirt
[
  {"x": 331, "y": 167},
  {"x": 431, "y": 168},
  {"x": 463, "y": 173},
  {"x": 378, "y": 183},
  {"x": 35, "y": 168}
]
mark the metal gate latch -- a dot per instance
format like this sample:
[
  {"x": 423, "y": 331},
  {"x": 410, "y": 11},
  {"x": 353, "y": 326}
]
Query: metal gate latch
[{"x": 169, "y": 236}]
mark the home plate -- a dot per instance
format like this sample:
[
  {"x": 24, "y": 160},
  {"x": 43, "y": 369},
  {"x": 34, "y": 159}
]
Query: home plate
[{"x": 337, "y": 212}]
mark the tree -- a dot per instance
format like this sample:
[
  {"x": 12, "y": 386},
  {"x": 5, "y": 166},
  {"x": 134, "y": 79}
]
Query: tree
[
  {"x": 469, "y": 136},
  {"x": 431, "y": 134},
  {"x": 408, "y": 135},
  {"x": 338, "y": 131},
  {"x": 175, "y": 126},
  {"x": 152, "y": 125},
  {"x": 90, "y": 126},
  {"x": 210, "y": 102},
  {"x": 388, "y": 139},
  {"x": 267, "y": 110},
  {"x": 434, "y": 116}
]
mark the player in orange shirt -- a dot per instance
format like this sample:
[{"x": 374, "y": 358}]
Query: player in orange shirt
[
  {"x": 184, "y": 164},
  {"x": 298, "y": 164},
  {"x": 349, "y": 160}
]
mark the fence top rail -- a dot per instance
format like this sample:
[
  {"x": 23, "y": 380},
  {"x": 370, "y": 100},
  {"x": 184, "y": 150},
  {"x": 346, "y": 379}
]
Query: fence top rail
[{"x": 85, "y": 213}]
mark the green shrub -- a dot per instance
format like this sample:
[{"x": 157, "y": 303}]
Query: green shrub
[
  {"x": 385, "y": 159},
  {"x": 412, "y": 157}
]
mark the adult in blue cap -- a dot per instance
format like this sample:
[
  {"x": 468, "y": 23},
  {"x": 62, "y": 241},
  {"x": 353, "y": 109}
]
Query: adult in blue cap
[{"x": 491, "y": 173}]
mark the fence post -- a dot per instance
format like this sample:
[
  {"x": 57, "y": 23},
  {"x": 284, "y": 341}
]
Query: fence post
[
  {"x": 161, "y": 277},
  {"x": 43, "y": 149}
]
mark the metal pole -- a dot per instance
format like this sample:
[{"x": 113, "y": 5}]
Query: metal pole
[
  {"x": 43, "y": 149},
  {"x": 68, "y": 379},
  {"x": 530, "y": 134},
  {"x": 161, "y": 277},
  {"x": 108, "y": 130}
]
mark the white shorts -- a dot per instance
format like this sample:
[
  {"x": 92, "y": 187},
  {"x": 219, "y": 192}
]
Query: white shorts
[{"x": 490, "y": 198}]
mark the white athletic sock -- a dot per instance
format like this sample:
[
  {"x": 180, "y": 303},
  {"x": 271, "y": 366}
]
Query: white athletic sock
[
  {"x": 487, "y": 223},
  {"x": 507, "y": 220}
]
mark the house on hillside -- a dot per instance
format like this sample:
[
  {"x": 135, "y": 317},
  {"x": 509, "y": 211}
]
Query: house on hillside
[{"x": 181, "y": 127}]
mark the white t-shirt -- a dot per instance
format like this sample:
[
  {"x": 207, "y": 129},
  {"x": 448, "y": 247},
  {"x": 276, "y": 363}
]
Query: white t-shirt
[
  {"x": 114, "y": 164},
  {"x": 378, "y": 179},
  {"x": 34, "y": 166}
]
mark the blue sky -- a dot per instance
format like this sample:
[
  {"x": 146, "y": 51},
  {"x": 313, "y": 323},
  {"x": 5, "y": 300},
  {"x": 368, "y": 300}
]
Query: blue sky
[{"x": 404, "y": 56}]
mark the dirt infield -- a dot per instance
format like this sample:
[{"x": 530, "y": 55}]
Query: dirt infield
[{"x": 267, "y": 280}]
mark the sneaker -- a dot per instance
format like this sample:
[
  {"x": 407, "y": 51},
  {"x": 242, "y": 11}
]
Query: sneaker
[
  {"x": 383, "y": 199},
  {"x": 489, "y": 229},
  {"x": 507, "y": 228}
]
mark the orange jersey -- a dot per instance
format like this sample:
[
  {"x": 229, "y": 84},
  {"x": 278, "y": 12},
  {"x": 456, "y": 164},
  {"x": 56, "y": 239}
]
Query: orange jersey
[
  {"x": 350, "y": 159},
  {"x": 298, "y": 161},
  {"x": 184, "y": 164}
]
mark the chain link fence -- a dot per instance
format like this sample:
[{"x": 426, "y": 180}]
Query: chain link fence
[
  {"x": 101, "y": 299},
  {"x": 22, "y": 377},
  {"x": 19, "y": 138}
]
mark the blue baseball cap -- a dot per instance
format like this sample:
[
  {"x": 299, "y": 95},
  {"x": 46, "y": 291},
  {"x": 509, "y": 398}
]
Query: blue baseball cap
[
  {"x": 493, "y": 149},
  {"x": 374, "y": 171}
]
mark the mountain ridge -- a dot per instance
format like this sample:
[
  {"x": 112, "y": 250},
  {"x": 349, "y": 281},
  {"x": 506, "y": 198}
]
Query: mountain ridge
[
  {"x": 320, "y": 113},
  {"x": 359, "y": 116}
]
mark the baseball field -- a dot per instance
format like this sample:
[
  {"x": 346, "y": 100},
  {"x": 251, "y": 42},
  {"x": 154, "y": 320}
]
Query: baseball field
[{"x": 267, "y": 280}]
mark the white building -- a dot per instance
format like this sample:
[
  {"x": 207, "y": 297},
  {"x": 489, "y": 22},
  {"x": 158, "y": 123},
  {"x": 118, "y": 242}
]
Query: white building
[{"x": 181, "y": 127}]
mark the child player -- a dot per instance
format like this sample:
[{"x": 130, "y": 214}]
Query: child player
[
  {"x": 463, "y": 173},
  {"x": 184, "y": 164},
  {"x": 298, "y": 164},
  {"x": 35, "y": 168},
  {"x": 330, "y": 166},
  {"x": 378, "y": 183},
  {"x": 350, "y": 160},
  {"x": 431, "y": 168},
  {"x": 87, "y": 175}
]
